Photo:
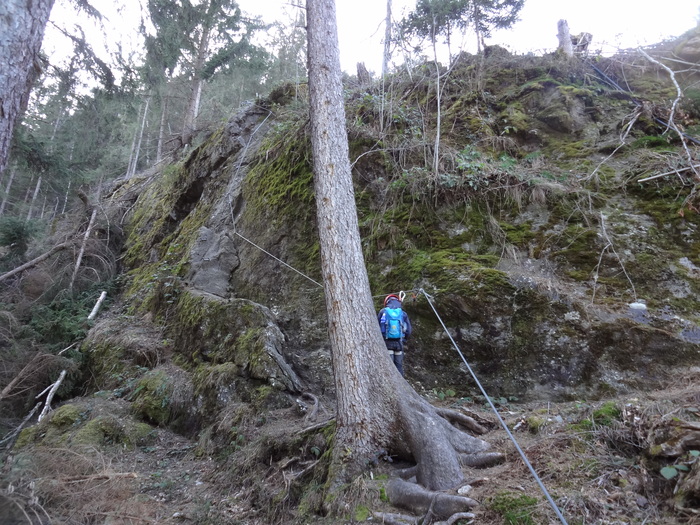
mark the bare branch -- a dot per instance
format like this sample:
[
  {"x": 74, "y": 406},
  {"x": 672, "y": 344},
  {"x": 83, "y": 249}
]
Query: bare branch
[
  {"x": 96, "y": 308},
  {"x": 679, "y": 95},
  {"x": 47, "y": 406}
]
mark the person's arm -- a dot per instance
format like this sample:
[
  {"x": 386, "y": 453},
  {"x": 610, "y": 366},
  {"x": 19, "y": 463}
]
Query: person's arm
[{"x": 409, "y": 328}]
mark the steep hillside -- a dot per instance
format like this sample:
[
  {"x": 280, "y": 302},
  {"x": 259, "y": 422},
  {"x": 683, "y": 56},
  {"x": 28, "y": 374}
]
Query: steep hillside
[{"x": 556, "y": 248}]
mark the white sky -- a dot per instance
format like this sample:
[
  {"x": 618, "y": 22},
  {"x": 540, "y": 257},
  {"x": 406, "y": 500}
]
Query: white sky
[{"x": 613, "y": 23}]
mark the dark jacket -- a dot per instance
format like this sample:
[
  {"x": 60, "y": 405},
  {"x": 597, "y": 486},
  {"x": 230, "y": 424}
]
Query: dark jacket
[{"x": 395, "y": 303}]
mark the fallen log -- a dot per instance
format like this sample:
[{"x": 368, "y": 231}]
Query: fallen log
[{"x": 34, "y": 262}]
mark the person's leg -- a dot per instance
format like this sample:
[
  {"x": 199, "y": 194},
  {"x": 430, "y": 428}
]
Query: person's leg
[{"x": 398, "y": 361}]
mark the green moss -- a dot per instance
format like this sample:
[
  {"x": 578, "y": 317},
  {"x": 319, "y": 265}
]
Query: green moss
[
  {"x": 362, "y": 513},
  {"x": 66, "y": 416},
  {"x": 518, "y": 234},
  {"x": 516, "y": 509},
  {"x": 151, "y": 398},
  {"x": 535, "y": 423},
  {"x": 26, "y": 437},
  {"x": 281, "y": 182},
  {"x": 652, "y": 142},
  {"x": 607, "y": 414},
  {"x": 99, "y": 431}
]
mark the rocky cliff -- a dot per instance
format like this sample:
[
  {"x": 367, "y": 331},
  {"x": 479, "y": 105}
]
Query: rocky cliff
[{"x": 560, "y": 267}]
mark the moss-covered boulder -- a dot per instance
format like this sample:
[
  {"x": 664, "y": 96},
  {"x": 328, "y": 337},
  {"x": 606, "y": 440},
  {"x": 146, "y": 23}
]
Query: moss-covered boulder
[{"x": 240, "y": 332}]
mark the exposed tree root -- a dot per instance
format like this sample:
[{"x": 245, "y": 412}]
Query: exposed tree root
[
  {"x": 388, "y": 518},
  {"x": 310, "y": 411},
  {"x": 436, "y": 446},
  {"x": 417, "y": 499},
  {"x": 456, "y": 517},
  {"x": 484, "y": 459},
  {"x": 457, "y": 417}
]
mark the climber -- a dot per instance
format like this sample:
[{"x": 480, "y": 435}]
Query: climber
[{"x": 396, "y": 328}]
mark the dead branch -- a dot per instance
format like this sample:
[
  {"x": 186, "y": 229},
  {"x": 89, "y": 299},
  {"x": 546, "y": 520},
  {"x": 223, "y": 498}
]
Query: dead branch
[
  {"x": 19, "y": 377},
  {"x": 96, "y": 308},
  {"x": 456, "y": 517},
  {"x": 88, "y": 231},
  {"x": 98, "y": 477},
  {"x": 679, "y": 94},
  {"x": 623, "y": 138},
  {"x": 483, "y": 459},
  {"x": 34, "y": 262},
  {"x": 10, "y": 438},
  {"x": 395, "y": 519},
  {"x": 49, "y": 397},
  {"x": 315, "y": 427},
  {"x": 679, "y": 170}
]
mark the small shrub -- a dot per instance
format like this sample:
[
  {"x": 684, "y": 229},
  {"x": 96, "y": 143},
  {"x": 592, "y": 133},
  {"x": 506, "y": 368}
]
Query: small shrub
[
  {"x": 606, "y": 414},
  {"x": 16, "y": 234}
]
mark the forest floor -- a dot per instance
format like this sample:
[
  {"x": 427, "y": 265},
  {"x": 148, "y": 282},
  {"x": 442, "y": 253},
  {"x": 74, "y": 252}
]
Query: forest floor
[{"x": 593, "y": 458}]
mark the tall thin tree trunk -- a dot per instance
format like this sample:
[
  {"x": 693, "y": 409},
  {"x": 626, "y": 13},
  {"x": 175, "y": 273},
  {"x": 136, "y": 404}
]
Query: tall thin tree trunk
[
  {"x": 138, "y": 146},
  {"x": 29, "y": 190},
  {"x": 438, "y": 113},
  {"x": 161, "y": 129},
  {"x": 36, "y": 192},
  {"x": 65, "y": 200},
  {"x": 387, "y": 40},
  {"x": 358, "y": 350},
  {"x": 88, "y": 231},
  {"x": 7, "y": 190},
  {"x": 22, "y": 24}
]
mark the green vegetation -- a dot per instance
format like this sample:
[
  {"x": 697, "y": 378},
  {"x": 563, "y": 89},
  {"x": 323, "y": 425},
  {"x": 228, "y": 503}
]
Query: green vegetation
[{"x": 516, "y": 509}]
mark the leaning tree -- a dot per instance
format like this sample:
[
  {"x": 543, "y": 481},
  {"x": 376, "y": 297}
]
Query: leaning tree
[{"x": 376, "y": 408}]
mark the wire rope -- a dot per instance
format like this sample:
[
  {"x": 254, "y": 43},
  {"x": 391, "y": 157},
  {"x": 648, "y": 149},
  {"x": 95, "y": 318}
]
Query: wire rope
[{"x": 500, "y": 419}]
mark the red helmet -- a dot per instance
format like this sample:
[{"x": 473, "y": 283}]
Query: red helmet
[{"x": 391, "y": 296}]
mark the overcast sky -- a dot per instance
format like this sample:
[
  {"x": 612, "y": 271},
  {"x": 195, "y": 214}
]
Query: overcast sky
[{"x": 613, "y": 23}]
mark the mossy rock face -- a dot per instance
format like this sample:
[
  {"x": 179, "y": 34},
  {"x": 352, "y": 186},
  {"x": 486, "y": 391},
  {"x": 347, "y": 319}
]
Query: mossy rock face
[
  {"x": 66, "y": 416},
  {"x": 92, "y": 422},
  {"x": 26, "y": 437},
  {"x": 238, "y": 331},
  {"x": 165, "y": 397},
  {"x": 119, "y": 350}
]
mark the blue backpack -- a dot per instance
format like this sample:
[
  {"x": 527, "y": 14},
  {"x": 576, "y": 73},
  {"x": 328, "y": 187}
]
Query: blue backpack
[{"x": 393, "y": 323}]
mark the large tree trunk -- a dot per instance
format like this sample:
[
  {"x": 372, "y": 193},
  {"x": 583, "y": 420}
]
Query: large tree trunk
[
  {"x": 376, "y": 408},
  {"x": 22, "y": 26}
]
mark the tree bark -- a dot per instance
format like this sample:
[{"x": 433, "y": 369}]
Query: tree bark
[
  {"x": 376, "y": 408},
  {"x": 360, "y": 366},
  {"x": 22, "y": 26}
]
